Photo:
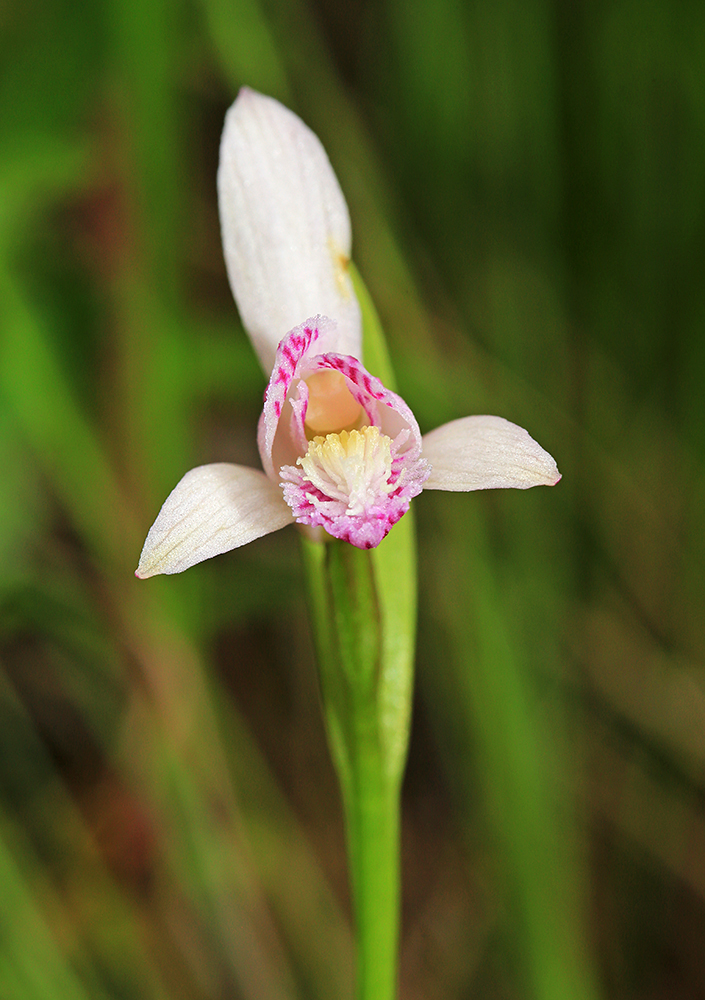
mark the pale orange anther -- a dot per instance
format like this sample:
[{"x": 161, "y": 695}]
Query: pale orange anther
[{"x": 331, "y": 406}]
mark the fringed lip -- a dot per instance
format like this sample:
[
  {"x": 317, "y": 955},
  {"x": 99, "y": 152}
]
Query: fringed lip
[{"x": 355, "y": 485}]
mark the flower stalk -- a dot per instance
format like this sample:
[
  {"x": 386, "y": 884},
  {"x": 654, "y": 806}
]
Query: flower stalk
[{"x": 348, "y": 631}]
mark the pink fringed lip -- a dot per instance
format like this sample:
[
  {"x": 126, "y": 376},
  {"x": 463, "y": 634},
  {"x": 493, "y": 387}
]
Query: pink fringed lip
[{"x": 362, "y": 498}]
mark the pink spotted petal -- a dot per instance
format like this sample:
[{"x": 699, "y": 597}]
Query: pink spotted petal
[{"x": 298, "y": 344}]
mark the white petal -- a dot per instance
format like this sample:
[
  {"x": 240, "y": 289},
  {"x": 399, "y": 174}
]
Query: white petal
[
  {"x": 486, "y": 453},
  {"x": 213, "y": 509},
  {"x": 285, "y": 226}
]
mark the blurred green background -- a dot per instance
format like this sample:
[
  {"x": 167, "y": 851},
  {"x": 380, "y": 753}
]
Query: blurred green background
[{"x": 526, "y": 180}]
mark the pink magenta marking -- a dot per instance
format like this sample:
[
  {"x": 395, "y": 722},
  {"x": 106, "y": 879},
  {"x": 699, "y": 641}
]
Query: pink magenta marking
[{"x": 292, "y": 349}]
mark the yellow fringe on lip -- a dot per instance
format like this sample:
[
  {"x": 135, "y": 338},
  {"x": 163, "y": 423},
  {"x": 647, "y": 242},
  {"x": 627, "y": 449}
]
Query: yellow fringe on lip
[{"x": 351, "y": 465}]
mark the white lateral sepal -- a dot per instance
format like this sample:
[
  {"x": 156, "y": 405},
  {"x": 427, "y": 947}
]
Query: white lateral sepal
[
  {"x": 486, "y": 453},
  {"x": 213, "y": 509}
]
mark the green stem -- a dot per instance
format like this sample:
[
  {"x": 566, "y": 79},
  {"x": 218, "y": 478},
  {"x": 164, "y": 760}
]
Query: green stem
[
  {"x": 372, "y": 823},
  {"x": 348, "y": 630}
]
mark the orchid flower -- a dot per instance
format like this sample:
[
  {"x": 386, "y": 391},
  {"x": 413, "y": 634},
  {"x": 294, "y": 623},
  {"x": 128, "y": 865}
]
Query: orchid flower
[{"x": 340, "y": 452}]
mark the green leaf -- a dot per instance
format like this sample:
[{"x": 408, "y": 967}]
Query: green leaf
[{"x": 395, "y": 574}]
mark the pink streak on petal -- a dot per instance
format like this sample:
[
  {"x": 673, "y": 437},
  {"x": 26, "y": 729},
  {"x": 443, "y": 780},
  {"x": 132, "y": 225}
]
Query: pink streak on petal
[
  {"x": 384, "y": 409},
  {"x": 292, "y": 350}
]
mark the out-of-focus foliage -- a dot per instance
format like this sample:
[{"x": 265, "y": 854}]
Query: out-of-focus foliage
[{"x": 527, "y": 186}]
